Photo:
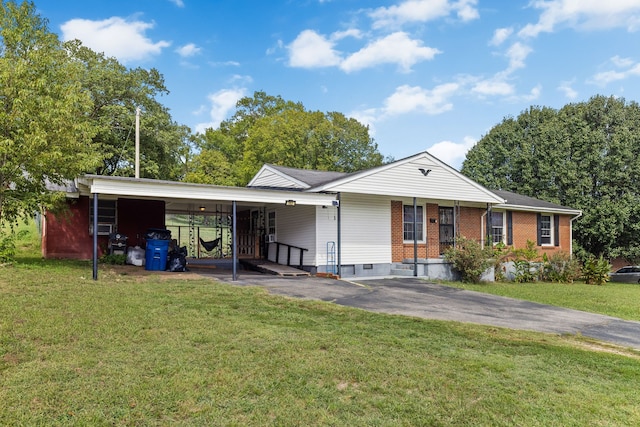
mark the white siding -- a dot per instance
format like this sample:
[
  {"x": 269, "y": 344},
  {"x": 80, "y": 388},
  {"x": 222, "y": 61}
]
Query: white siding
[
  {"x": 405, "y": 179},
  {"x": 366, "y": 229},
  {"x": 267, "y": 178},
  {"x": 326, "y": 231},
  {"x": 295, "y": 225}
]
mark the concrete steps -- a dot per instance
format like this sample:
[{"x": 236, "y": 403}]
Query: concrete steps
[{"x": 402, "y": 270}]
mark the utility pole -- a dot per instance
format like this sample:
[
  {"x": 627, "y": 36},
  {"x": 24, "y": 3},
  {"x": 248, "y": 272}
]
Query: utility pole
[{"x": 138, "y": 142}]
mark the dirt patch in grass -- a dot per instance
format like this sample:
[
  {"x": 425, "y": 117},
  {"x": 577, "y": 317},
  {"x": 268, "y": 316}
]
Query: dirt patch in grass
[{"x": 140, "y": 274}]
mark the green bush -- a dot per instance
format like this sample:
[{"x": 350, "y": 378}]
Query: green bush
[
  {"x": 114, "y": 259},
  {"x": 501, "y": 253},
  {"x": 469, "y": 258},
  {"x": 596, "y": 271},
  {"x": 7, "y": 248},
  {"x": 527, "y": 263},
  {"x": 560, "y": 267}
]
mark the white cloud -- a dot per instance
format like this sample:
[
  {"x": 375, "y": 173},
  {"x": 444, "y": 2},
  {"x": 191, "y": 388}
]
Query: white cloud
[
  {"x": 407, "y": 99},
  {"x": 517, "y": 53},
  {"x": 312, "y": 50},
  {"x": 422, "y": 11},
  {"x": 452, "y": 153},
  {"x": 339, "y": 35},
  {"x": 621, "y": 62},
  {"x": 178, "y": 3},
  {"x": 188, "y": 50},
  {"x": 626, "y": 68},
  {"x": 367, "y": 117},
  {"x": 115, "y": 36},
  {"x": 493, "y": 87},
  {"x": 584, "y": 14},
  {"x": 500, "y": 35},
  {"x": 222, "y": 102},
  {"x": 568, "y": 90},
  {"x": 396, "y": 48}
]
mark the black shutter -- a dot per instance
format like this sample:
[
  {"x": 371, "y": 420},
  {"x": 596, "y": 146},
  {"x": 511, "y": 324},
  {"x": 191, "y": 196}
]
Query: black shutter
[
  {"x": 509, "y": 228},
  {"x": 539, "y": 229},
  {"x": 556, "y": 230}
]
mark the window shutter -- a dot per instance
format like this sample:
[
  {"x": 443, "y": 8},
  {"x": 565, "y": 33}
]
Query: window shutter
[
  {"x": 556, "y": 230},
  {"x": 539, "y": 229},
  {"x": 509, "y": 228}
]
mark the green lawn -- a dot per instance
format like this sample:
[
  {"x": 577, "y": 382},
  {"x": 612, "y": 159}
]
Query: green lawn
[
  {"x": 614, "y": 299},
  {"x": 174, "y": 349},
  {"x": 171, "y": 350}
]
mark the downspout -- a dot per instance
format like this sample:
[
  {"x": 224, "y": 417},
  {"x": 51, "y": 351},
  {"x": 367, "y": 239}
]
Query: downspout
[
  {"x": 482, "y": 226},
  {"x": 571, "y": 234},
  {"x": 339, "y": 235},
  {"x": 415, "y": 237},
  {"x": 95, "y": 236},
  {"x": 234, "y": 257}
]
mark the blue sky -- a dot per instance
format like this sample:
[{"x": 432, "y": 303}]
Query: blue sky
[{"x": 430, "y": 75}]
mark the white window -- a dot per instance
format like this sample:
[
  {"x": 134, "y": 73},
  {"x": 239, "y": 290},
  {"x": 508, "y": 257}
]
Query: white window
[
  {"x": 407, "y": 223},
  {"x": 546, "y": 230},
  {"x": 497, "y": 227},
  {"x": 271, "y": 223}
]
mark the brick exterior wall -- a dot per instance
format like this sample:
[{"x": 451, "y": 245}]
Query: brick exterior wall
[
  {"x": 67, "y": 235},
  {"x": 470, "y": 223},
  {"x": 469, "y": 227},
  {"x": 525, "y": 227}
]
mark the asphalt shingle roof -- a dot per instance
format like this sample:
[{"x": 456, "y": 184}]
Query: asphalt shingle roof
[
  {"x": 312, "y": 178},
  {"x": 520, "y": 200}
]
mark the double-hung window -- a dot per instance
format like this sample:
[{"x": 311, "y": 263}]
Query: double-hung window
[
  {"x": 497, "y": 227},
  {"x": 407, "y": 223},
  {"x": 546, "y": 230}
]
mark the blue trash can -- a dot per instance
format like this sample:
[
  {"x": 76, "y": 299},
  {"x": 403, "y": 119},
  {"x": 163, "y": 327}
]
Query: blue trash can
[{"x": 156, "y": 255}]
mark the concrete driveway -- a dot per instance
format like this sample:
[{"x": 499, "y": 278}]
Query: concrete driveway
[{"x": 416, "y": 297}]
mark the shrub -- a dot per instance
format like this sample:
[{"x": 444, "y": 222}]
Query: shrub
[
  {"x": 469, "y": 258},
  {"x": 114, "y": 259},
  {"x": 527, "y": 263},
  {"x": 596, "y": 271},
  {"x": 7, "y": 248},
  {"x": 560, "y": 268},
  {"x": 500, "y": 254}
]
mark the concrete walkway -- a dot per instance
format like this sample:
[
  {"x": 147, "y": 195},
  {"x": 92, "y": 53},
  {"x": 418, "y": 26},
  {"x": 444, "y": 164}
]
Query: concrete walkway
[{"x": 416, "y": 297}]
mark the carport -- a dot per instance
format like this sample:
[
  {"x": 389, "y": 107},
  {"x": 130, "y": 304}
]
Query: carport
[{"x": 184, "y": 197}]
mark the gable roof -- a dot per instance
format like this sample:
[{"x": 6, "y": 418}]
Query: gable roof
[
  {"x": 421, "y": 175},
  {"x": 516, "y": 201},
  {"x": 270, "y": 176}
]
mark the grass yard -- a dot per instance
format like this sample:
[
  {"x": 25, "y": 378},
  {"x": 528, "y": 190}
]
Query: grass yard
[
  {"x": 180, "y": 350},
  {"x": 614, "y": 299},
  {"x": 177, "y": 349}
]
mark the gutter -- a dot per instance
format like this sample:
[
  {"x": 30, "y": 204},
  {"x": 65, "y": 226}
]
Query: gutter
[{"x": 571, "y": 233}]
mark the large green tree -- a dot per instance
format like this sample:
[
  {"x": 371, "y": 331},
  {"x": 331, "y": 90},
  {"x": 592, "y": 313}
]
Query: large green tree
[
  {"x": 583, "y": 155},
  {"x": 268, "y": 129},
  {"x": 116, "y": 92},
  {"x": 45, "y": 133}
]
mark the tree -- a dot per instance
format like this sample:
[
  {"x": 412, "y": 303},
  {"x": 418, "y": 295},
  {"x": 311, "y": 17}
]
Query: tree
[
  {"x": 268, "y": 129},
  {"x": 582, "y": 156},
  {"x": 116, "y": 92},
  {"x": 45, "y": 134}
]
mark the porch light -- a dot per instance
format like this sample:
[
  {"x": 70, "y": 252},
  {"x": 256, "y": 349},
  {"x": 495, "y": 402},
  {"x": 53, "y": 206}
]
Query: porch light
[
  {"x": 290, "y": 202},
  {"x": 202, "y": 208}
]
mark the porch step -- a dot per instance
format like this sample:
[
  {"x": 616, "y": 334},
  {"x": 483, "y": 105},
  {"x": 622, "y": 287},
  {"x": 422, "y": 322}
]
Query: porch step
[{"x": 401, "y": 270}]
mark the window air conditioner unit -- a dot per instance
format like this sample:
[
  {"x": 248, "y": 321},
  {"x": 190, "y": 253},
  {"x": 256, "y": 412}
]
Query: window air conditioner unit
[
  {"x": 270, "y": 238},
  {"x": 103, "y": 229}
]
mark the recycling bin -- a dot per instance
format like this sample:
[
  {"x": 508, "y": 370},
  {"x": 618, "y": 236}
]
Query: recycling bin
[{"x": 156, "y": 255}]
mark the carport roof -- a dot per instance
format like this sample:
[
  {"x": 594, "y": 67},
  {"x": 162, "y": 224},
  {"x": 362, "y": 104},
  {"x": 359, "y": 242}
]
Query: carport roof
[{"x": 144, "y": 188}]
